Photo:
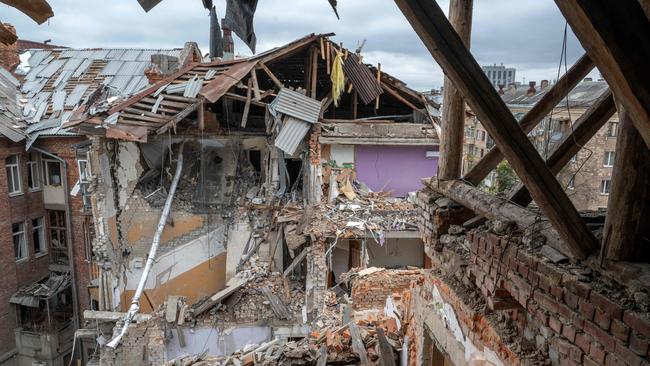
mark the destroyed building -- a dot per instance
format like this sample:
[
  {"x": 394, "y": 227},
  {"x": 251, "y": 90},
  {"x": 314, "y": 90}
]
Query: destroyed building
[{"x": 275, "y": 175}]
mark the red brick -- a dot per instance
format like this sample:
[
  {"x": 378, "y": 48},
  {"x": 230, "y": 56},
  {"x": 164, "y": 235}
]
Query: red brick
[
  {"x": 625, "y": 354},
  {"x": 555, "y": 324},
  {"x": 600, "y": 336},
  {"x": 587, "y": 361},
  {"x": 533, "y": 278},
  {"x": 546, "y": 302},
  {"x": 583, "y": 341},
  {"x": 551, "y": 271},
  {"x": 597, "y": 353},
  {"x": 579, "y": 288},
  {"x": 612, "y": 360},
  {"x": 571, "y": 299},
  {"x": 544, "y": 283},
  {"x": 639, "y": 344},
  {"x": 586, "y": 309},
  {"x": 637, "y": 322},
  {"x": 602, "y": 319},
  {"x": 569, "y": 332},
  {"x": 541, "y": 316},
  {"x": 557, "y": 291},
  {"x": 609, "y": 306},
  {"x": 620, "y": 330}
]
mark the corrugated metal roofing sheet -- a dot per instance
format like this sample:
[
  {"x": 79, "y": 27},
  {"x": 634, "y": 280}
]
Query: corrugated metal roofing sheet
[
  {"x": 365, "y": 83},
  {"x": 111, "y": 68},
  {"x": 51, "y": 69},
  {"x": 131, "y": 55},
  {"x": 37, "y": 57},
  {"x": 133, "y": 68},
  {"x": 82, "y": 68},
  {"x": 120, "y": 82},
  {"x": 115, "y": 54},
  {"x": 62, "y": 79},
  {"x": 58, "y": 100},
  {"x": 76, "y": 95},
  {"x": 72, "y": 64},
  {"x": 292, "y": 133},
  {"x": 294, "y": 104}
]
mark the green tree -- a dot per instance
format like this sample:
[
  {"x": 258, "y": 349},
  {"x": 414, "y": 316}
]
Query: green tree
[{"x": 505, "y": 178}]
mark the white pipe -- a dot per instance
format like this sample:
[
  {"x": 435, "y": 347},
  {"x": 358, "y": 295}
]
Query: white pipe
[{"x": 135, "y": 303}]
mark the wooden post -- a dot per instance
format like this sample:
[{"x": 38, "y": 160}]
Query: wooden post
[
  {"x": 314, "y": 72},
  {"x": 444, "y": 44},
  {"x": 627, "y": 227},
  {"x": 379, "y": 82},
  {"x": 201, "y": 116},
  {"x": 247, "y": 105},
  {"x": 616, "y": 35},
  {"x": 453, "y": 105},
  {"x": 535, "y": 115},
  {"x": 583, "y": 130}
]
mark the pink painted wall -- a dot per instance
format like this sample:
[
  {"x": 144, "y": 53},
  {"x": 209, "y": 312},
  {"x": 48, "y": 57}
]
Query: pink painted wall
[{"x": 398, "y": 169}]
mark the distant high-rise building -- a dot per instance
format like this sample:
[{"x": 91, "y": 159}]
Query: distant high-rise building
[{"x": 500, "y": 75}]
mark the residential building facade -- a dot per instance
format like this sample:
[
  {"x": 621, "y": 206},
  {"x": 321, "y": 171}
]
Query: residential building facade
[{"x": 499, "y": 75}]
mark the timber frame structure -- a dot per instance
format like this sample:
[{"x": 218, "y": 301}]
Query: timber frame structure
[{"x": 616, "y": 37}]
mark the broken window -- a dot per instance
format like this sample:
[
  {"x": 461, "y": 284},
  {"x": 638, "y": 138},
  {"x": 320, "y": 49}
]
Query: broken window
[
  {"x": 12, "y": 164},
  {"x": 20, "y": 245},
  {"x": 84, "y": 181},
  {"x": 608, "y": 161},
  {"x": 57, "y": 236},
  {"x": 52, "y": 172},
  {"x": 604, "y": 186},
  {"x": 38, "y": 236},
  {"x": 34, "y": 168}
]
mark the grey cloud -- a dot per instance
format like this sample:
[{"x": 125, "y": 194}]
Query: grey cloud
[{"x": 526, "y": 34}]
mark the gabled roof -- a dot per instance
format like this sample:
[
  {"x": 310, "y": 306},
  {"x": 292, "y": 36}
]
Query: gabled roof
[
  {"x": 162, "y": 106},
  {"x": 10, "y": 115},
  {"x": 583, "y": 95},
  {"x": 60, "y": 79}
]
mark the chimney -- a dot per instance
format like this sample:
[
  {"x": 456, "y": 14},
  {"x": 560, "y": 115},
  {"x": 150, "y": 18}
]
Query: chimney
[
  {"x": 531, "y": 90},
  {"x": 544, "y": 84},
  {"x": 501, "y": 86},
  {"x": 228, "y": 42},
  {"x": 161, "y": 67},
  {"x": 9, "y": 56}
]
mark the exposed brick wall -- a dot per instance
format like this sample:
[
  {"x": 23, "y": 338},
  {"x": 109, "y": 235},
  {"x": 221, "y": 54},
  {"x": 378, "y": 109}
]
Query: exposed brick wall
[
  {"x": 63, "y": 148},
  {"x": 371, "y": 291},
  {"x": 576, "y": 318},
  {"x": 143, "y": 345},
  {"x": 20, "y": 208}
]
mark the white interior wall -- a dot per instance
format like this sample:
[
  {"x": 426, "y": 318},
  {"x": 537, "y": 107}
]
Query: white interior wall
[{"x": 342, "y": 154}]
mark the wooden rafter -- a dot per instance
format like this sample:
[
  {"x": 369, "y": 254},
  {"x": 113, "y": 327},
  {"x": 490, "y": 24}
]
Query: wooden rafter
[
  {"x": 453, "y": 113},
  {"x": 616, "y": 35},
  {"x": 583, "y": 130},
  {"x": 536, "y": 114},
  {"x": 444, "y": 44}
]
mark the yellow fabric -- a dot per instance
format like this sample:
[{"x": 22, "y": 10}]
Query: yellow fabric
[{"x": 338, "y": 78}]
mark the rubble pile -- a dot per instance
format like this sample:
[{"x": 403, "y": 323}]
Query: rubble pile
[
  {"x": 253, "y": 301},
  {"x": 369, "y": 340}
]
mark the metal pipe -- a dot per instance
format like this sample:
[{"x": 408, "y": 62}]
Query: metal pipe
[
  {"x": 135, "y": 303},
  {"x": 68, "y": 229}
]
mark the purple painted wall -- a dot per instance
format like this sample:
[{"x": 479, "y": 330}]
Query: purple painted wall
[{"x": 398, "y": 169}]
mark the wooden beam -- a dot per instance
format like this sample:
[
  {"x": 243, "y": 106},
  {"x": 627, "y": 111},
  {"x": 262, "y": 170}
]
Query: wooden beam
[
  {"x": 453, "y": 110},
  {"x": 495, "y": 207},
  {"x": 535, "y": 115},
  {"x": 256, "y": 87},
  {"x": 616, "y": 35},
  {"x": 240, "y": 98},
  {"x": 459, "y": 65},
  {"x": 177, "y": 118},
  {"x": 247, "y": 105},
  {"x": 396, "y": 95},
  {"x": 314, "y": 72},
  {"x": 583, "y": 130},
  {"x": 378, "y": 81},
  {"x": 626, "y": 236},
  {"x": 271, "y": 75},
  {"x": 201, "y": 116}
]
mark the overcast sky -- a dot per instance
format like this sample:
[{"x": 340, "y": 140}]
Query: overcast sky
[{"x": 525, "y": 34}]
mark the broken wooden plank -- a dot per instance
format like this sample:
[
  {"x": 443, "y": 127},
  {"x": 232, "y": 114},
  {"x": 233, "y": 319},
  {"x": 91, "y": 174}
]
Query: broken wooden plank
[
  {"x": 582, "y": 131},
  {"x": 616, "y": 35},
  {"x": 279, "y": 308},
  {"x": 453, "y": 114},
  {"x": 494, "y": 207},
  {"x": 296, "y": 261},
  {"x": 247, "y": 105},
  {"x": 444, "y": 44},
  {"x": 535, "y": 115},
  {"x": 232, "y": 285},
  {"x": 112, "y": 316},
  {"x": 357, "y": 345},
  {"x": 271, "y": 75},
  {"x": 386, "y": 354},
  {"x": 255, "y": 85}
]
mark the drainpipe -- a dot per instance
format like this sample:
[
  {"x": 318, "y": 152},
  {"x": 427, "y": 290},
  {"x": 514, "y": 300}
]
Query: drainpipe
[{"x": 68, "y": 229}]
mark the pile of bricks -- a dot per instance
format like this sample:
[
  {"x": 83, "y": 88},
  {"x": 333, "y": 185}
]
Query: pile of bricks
[
  {"x": 371, "y": 291},
  {"x": 563, "y": 313},
  {"x": 436, "y": 215}
]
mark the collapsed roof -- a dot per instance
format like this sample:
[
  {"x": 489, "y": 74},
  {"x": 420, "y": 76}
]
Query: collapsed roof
[
  {"x": 257, "y": 81},
  {"x": 10, "y": 116}
]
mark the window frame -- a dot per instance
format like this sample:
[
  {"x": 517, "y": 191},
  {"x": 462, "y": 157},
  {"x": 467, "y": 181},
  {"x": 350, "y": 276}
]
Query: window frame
[
  {"x": 35, "y": 166},
  {"x": 22, "y": 244},
  {"x": 605, "y": 186},
  {"x": 610, "y": 157},
  {"x": 46, "y": 172},
  {"x": 41, "y": 228},
  {"x": 14, "y": 168},
  {"x": 612, "y": 133}
]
